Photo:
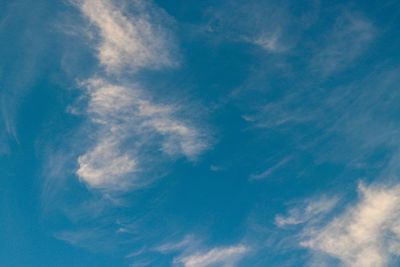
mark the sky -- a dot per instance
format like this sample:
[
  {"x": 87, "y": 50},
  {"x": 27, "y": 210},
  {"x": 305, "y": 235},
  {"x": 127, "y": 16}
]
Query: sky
[{"x": 211, "y": 133}]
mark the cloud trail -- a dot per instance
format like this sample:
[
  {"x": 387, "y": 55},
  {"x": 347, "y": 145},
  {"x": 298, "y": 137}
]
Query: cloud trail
[
  {"x": 311, "y": 210},
  {"x": 223, "y": 256}
]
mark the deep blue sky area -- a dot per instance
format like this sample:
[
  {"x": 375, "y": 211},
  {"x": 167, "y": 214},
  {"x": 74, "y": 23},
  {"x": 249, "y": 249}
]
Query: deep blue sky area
[{"x": 199, "y": 133}]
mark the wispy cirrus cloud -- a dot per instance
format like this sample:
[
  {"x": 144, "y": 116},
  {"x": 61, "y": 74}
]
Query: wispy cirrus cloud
[
  {"x": 126, "y": 134},
  {"x": 221, "y": 256},
  {"x": 21, "y": 66},
  {"x": 362, "y": 114},
  {"x": 193, "y": 253},
  {"x": 128, "y": 124},
  {"x": 366, "y": 234},
  {"x": 130, "y": 130},
  {"x": 271, "y": 26},
  {"x": 268, "y": 172},
  {"x": 348, "y": 39},
  {"x": 129, "y": 41},
  {"x": 345, "y": 124},
  {"x": 3, "y": 137},
  {"x": 309, "y": 210}
]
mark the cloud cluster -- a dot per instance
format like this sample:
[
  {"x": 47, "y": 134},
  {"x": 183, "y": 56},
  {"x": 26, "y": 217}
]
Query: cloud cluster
[
  {"x": 367, "y": 234},
  {"x": 128, "y": 127},
  {"x": 128, "y": 123}
]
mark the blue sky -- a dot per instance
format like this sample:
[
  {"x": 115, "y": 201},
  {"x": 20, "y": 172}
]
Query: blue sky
[{"x": 199, "y": 133}]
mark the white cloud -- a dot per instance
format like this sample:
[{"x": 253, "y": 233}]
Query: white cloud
[
  {"x": 193, "y": 254},
  {"x": 366, "y": 234},
  {"x": 105, "y": 164},
  {"x": 129, "y": 131},
  {"x": 127, "y": 41},
  {"x": 221, "y": 256},
  {"x": 308, "y": 211},
  {"x": 126, "y": 124}
]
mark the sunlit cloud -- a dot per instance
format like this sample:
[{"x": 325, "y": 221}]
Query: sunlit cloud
[
  {"x": 129, "y": 128},
  {"x": 367, "y": 234},
  {"x": 131, "y": 42},
  {"x": 126, "y": 124}
]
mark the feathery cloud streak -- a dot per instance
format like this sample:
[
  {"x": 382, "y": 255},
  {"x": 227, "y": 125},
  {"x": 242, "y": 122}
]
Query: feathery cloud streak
[
  {"x": 311, "y": 210},
  {"x": 223, "y": 256}
]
